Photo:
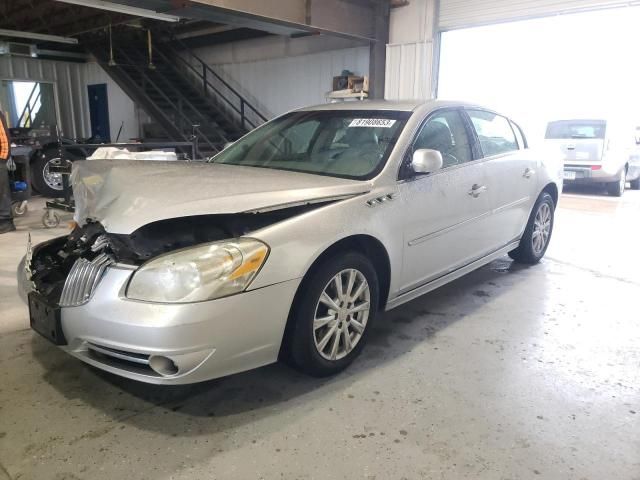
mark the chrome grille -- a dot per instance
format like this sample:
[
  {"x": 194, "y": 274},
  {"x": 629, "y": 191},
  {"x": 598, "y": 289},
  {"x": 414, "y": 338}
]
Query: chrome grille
[
  {"x": 83, "y": 279},
  {"x": 101, "y": 242}
]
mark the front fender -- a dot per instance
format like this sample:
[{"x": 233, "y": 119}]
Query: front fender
[{"x": 298, "y": 242}]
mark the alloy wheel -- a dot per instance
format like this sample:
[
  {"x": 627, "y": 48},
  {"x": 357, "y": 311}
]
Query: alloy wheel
[
  {"x": 341, "y": 314},
  {"x": 52, "y": 179},
  {"x": 541, "y": 228}
]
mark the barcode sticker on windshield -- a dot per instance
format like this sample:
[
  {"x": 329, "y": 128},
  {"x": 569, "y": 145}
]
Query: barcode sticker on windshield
[{"x": 372, "y": 122}]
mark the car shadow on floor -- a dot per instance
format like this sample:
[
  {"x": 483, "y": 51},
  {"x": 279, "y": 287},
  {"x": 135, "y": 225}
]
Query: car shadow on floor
[
  {"x": 228, "y": 402},
  {"x": 587, "y": 189}
]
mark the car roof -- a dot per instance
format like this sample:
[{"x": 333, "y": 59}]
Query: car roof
[
  {"x": 398, "y": 105},
  {"x": 578, "y": 119}
]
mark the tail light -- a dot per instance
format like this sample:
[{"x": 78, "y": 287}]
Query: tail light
[{"x": 596, "y": 167}]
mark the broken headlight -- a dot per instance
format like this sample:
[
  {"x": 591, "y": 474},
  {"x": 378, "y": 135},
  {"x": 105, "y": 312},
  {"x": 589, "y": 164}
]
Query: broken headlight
[{"x": 199, "y": 273}]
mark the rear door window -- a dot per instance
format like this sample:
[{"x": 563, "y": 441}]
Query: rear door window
[{"x": 494, "y": 132}]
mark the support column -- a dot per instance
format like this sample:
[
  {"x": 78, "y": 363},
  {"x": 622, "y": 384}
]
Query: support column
[{"x": 378, "y": 50}]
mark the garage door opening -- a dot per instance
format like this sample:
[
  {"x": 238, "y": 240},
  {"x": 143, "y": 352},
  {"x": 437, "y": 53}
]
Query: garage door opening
[{"x": 568, "y": 66}]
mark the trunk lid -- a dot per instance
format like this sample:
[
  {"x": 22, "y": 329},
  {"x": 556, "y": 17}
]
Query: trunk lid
[{"x": 578, "y": 151}]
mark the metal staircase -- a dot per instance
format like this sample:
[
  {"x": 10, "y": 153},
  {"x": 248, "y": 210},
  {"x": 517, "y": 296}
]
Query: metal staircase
[{"x": 180, "y": 92}]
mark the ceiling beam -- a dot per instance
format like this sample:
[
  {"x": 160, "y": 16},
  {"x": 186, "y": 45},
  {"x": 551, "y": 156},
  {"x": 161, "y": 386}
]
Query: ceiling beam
[
  {"x": 77, "y": 25},
  {"x": 37, "y": 36},
  {"x": 282, "y": 17},
  {"x": 126, "y": 9}
]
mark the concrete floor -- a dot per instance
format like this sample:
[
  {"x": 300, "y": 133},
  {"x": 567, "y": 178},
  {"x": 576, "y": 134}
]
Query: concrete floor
[{"x": 508, "y": 373}]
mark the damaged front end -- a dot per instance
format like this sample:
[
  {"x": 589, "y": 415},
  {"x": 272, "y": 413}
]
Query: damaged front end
[{"x": 66, "y": 270}]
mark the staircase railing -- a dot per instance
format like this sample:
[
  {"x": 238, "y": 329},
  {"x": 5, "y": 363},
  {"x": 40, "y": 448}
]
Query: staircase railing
[
  {"x": 250, "y": 116},
  {"x": 168, "y": 63},
  {"x": 178, "y": 107},
  {"x": 26, "y": 117}
]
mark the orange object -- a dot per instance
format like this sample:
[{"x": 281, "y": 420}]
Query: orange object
[{"x": 5, "y": 144}]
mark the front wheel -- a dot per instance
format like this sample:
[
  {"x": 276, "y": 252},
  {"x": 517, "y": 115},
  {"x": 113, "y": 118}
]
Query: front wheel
[
  {"x": 333, "y": 315},
  {"x": 535, "y": 240}
]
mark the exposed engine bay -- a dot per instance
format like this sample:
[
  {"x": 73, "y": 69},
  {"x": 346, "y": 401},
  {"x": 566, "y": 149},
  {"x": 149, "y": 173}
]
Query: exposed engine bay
[{"x": 52, "y": 261}]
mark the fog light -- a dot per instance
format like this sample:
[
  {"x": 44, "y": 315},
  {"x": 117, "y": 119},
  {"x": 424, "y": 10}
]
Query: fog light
[{"x": 163, "y": 365}]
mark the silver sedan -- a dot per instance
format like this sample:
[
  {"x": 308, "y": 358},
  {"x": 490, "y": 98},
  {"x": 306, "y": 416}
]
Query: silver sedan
[{"x": 287, "y": 244}]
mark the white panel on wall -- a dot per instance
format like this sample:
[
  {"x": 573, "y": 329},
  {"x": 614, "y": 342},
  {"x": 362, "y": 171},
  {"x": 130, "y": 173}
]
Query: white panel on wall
[
  {"x": 413, "y": 22},
  {"x": 121, "y": 107},
  {"x": 465, "y": 13},
  {"x": 408, "y": 71},
  {"x": 278, "y": 85}
]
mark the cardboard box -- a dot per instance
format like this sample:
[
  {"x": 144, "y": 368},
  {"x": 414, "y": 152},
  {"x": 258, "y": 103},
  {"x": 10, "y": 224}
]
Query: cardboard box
[
  {"x": 360, "y": 85},
  {"x": 340, "y": 82},
  {"x": 355, "y": 83}
]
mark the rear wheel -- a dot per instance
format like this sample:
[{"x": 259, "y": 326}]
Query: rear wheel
[
  {"x": 616, "y": 189},
  {"x": 333, "y": 316},
  {"x": 535, "y": 240}
]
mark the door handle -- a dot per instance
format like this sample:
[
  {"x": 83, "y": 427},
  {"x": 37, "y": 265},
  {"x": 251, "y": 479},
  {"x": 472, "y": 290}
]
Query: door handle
[
  {"x": 476, "y": 190},
  {"x": 528, "y": 173}
]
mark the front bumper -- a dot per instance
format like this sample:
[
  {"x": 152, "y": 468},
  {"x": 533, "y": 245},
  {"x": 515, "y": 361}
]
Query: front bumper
[{"x": 203, "y": 340}]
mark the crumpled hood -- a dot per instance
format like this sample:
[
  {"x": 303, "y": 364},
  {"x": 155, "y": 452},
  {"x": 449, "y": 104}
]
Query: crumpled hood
[{"x": 124, "y": 195}]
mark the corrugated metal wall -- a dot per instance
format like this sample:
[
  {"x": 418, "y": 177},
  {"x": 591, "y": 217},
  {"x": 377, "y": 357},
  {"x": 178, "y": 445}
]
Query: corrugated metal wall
[
  {"x": 409, "y": 67},
  {"x": 70, "y": 85},
  {"x": 70, "y": 80},
  {"x": 464, "y": 13},
  {"x": 408, "y": 71}
]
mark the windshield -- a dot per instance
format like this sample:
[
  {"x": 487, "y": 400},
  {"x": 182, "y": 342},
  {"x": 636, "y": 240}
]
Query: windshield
[
  {"x": 340, "y": 143},
  {"x": 576, "y": 129}
]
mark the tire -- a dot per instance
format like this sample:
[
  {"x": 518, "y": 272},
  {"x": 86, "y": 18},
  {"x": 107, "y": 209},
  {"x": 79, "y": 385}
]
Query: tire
[
  {"x": 308, "y": 350},
  {"x": 48, "y": 187},
  {"x": 616, "y": 189},
  {"x": 635, "y": 184},
  {"x": 530, "y": 251}
]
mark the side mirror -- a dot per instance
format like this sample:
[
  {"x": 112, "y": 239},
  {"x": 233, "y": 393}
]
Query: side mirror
[{"x": 426, "y": 160}]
